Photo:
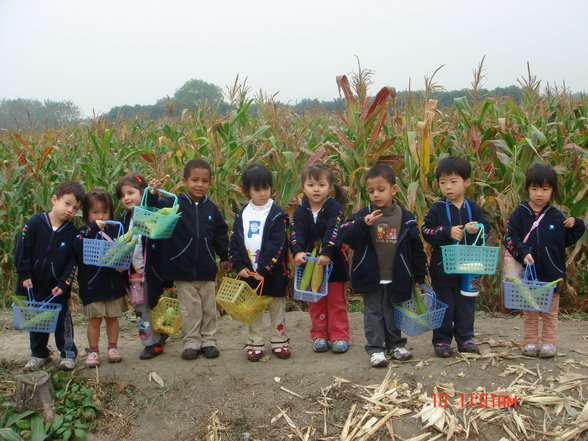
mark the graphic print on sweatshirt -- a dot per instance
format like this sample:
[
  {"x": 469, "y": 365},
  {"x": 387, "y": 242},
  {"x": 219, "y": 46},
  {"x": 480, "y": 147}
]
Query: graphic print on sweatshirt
[
  {"x": 386, "y": 234},
  {"x": 254, "y": 227}
]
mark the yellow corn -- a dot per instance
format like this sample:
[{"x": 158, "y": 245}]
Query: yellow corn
[{"x": 307, "y": 273}]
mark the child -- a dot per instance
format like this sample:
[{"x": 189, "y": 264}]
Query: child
[
  {"x": 45, "y": 263},
  {"x": 318, "y": 219},
  {"x": 443, "y": 225},
  {"x": 145, "y": 261},
  {"x": 544, "y": 248},
  {"x": 389, "y": 261},
  {"x": 258, "y": 253},
  {"x": 102, "y": 289},
  {"x": 189, "y": 258}
]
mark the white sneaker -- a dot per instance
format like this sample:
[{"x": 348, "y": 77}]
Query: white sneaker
[
  {"x": 67, "y": 364},
  {"x": 35, "y": 363},
  {"x": 400, "y": 354},
  {"x": 530, "y": 350},
  {"x": 547, "y": 351},
  {"x": 378, "y": 359}
]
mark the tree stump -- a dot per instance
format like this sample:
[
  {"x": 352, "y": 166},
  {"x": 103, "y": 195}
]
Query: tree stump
[{"x": 34, "y": 391}]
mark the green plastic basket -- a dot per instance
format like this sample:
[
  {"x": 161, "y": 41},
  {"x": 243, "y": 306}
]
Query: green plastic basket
[
  {"x": 470, "y": 259},
  {"x": 148, "y": 222}
]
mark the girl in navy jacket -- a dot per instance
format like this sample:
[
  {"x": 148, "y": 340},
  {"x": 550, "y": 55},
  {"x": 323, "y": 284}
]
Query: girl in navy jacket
[
  {"x": 545, "y": 249},
  {"x": 101, "y": 289},
  {"x": 258, "y": 252},
  {"x": 317, "y": 220}
]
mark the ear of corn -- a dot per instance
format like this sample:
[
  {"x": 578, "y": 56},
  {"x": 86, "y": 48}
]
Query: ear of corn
[
  {"x": 553, "y": 282},
  {"x": 419, "y": 303},
  {"x": 317, "y": 276},
  {"x": 307, "y": 273}
]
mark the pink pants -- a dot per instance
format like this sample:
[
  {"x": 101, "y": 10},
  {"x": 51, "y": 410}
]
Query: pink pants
[
  {"x": 531, "y": 324},
  {"x": 328, "y": 316}
]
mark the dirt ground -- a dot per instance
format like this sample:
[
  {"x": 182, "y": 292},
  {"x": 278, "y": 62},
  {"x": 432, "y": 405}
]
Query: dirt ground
[{"x": 275, "y": 399}]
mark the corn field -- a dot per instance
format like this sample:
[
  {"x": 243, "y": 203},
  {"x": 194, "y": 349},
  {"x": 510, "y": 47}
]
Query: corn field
[{"x": 498, "y": 137}]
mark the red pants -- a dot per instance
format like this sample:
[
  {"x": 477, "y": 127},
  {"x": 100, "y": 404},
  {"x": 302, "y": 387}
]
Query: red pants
[{"x": 329, "y": 315}]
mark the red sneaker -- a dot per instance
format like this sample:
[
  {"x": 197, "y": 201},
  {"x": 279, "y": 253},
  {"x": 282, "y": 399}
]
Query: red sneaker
[
  {"x": 282, "y": 352},
  {"x": 254, "y": 355}
]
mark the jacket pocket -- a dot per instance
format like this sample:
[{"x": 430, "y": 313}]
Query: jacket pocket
[
  {"x": 53, "y": 271},
  {"x": 405, "y": 265},
  {"x": 209, "y": 252},
  {"x": 183, "y": 250},
  {"x": 360, "y": 260},
  {"x": 552, "y": 262},
  {"x": 94, "y": 278}
]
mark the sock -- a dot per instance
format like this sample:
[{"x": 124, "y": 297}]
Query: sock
[
  {"x": 94, "y": 349},
  {"x": 112, "y": 345}
]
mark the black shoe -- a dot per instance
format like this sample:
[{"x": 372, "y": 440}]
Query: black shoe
[
  {"x": 210, "y": 351},
  {"x": 443, "y": 350},
  {"x": 151, "y": 351},
  {"x": 190, "y": 354}
]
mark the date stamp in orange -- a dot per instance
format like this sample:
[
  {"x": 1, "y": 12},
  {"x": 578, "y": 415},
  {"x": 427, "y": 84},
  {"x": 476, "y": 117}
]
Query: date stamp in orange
[{"x": 476, "y": 400}]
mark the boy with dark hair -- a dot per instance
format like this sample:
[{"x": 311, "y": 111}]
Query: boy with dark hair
[
  {"x": 443, "y": 225},
  {"x": 389, "y": 261},
  {"x": 45, "y": 263},
  {"x": 189, "y": 258}
]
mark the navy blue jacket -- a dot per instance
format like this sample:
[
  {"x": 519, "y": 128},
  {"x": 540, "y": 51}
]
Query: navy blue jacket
[
  {"x": 97, "y": 283},
  {"x": 436, "y": 230},
  {"x": 273, "y": 254},
  {"x": 153, "y": 279},
  {"x": 547, "y": 243},
  {"x": 410, "y": 262},
  {"x": 46, "y": 257},
  {"x": 326, "y": 230},
  {"x": 200, "y": 234}
]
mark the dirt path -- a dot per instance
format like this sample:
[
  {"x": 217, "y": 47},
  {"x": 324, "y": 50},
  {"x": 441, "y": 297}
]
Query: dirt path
[{"x": 248, "y": 395}]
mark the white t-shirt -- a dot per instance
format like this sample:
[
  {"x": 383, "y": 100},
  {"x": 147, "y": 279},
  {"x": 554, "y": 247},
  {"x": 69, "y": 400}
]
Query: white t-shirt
[
  {"x": 254, "y": 218},
  {"x": 138, "y": 259}
]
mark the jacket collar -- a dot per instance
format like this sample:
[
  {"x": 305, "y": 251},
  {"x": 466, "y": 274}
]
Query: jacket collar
[
  {"x": 189, "y": 199},
  {"x": 527, "y": 207}
]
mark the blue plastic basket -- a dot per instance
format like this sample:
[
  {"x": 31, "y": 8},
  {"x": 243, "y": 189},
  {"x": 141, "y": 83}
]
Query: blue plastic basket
[
  {"x": 151, "y": 224},
  {"x": 102, "y": 252},
  {"x": 415, "y": 325},
  {"x": 470, "y": 259},
  {"x": 530, "y": 294},
  {"x": 310, "y": 296},
  {"x": 36, "y": 316}
]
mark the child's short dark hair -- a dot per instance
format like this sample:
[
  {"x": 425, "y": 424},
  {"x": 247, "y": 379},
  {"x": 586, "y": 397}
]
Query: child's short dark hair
[
  {"x": 134, "y": 180},
  {"x": 453, "y": 165},
  {"x": 316, "y": 171},
  {"x": 541, "y": 174},
  {"x": 256, "y": 176},
  {"x": 381, "y": 171},
  {"x": 97, "y": 195},
  {"x": 70, "y": 187},
  {"x": 196, "y": 163}
]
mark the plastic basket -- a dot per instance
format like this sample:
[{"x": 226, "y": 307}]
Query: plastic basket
[
  {"x": 530, "y": 294},
  {"x": 470, "y": 259},
  {"x": 148, "y": 222},
  {"x": 310, "y": 296},
  {"x": 163, "y": 321},
  {"x": 108, "y": 253},
  {"x": 415, "y": 325},
  {"x": 36, "y": 316},
  {"x": 241, "y": 301}
]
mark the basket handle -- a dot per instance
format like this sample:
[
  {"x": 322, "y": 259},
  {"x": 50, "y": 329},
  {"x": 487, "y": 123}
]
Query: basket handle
[
  {"x": 259, "y": 285},
  {"x": 31, "y": 298},
  {"x": 144, "y": 198},
  {"x": 329, "y": 267},
  {"x": 480, "y": 233},
  {"x": 429, "y": 292},
  {"x": 120, "y": 226},
  {"x": 530, "y": 273}
]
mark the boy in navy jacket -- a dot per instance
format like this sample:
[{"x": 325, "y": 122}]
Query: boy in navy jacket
[
  {"x": 388, "y": 261},
  {"x": 45, "y": 263},
  {"x": 443, "y": 225},
  {"x": 189, "y": 259}
]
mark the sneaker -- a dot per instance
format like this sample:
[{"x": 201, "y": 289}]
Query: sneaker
[
  {"x": 210, "y": 351},
  {"x": 114, "y": 355},
  {"x": 93, "y": 360},
  {"x": 340, "y": 346},
  {"x": 190, "y": 354},
  {"x": 151, "y": 351},
  {"x": 378, "y": 360},
  {"x": 35, "y": 363},
  {"x": 442, "y": 350},
  {"x": 320, "y": 345},
  {"x": 400, "y": 354},
  {"x": 547, "y": 351},
  {"x": 66, "y": 364},
  {"x": 531, "y": 350},
  {"x": 469, "y": 346},
  {"x": 282, "y": 352},
  {"x": 254, "y": 355}
]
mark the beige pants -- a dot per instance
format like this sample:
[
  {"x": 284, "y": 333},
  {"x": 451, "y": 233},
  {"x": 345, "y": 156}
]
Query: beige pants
[
  {"x": 277, "y": 313},
  {"x": 198, "y": 310}
]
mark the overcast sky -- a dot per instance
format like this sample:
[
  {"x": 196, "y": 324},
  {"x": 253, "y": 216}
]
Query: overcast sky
[{"x": 106, "y": 53}]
